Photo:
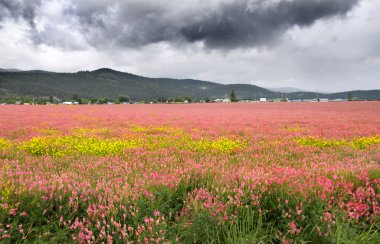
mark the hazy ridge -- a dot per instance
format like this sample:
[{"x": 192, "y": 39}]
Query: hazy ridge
[{"x": 110, "y": 83}]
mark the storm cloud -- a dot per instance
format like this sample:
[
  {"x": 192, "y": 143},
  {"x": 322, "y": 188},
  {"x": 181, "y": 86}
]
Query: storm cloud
[
  {"x": 250, "y": 23},
  {"x": 318, "y": 45},
  {"x": 221, "y": 24},
  {"x": 19, "y": 9}
]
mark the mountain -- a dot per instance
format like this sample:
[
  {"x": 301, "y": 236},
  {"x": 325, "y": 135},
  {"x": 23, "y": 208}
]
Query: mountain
[
  {"x": 10, "y": 70},
  {"x": 111, "y": 83},
  {"x": 286, "y": 89},
  {"x": 359, "y": 94}
]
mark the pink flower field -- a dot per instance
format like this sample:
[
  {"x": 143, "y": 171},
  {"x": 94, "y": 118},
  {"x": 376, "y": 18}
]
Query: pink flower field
[{"x": 192, "y": 173}]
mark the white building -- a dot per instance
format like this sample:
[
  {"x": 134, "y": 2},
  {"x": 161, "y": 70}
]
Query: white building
[
  {"x": 222, "y": 100},
  {"x": 263, "y": 99}
]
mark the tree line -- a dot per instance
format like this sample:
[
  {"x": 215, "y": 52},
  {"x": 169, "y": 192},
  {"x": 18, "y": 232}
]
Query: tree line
[{"x": 75, "y": 98}]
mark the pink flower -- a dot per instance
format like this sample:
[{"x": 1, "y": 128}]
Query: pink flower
[
  {"x": 13, "y": 211},
  {"x": 293, "y": 228}
]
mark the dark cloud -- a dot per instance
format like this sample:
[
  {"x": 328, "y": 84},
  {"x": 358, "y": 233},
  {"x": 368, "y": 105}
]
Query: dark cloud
[
  {"x": 127, "y": 23},
  {"x": 19, "y": 9},
  {"x": 321, "y": 51},
  {"x": 223, "y": 24},
  {"x": 244, "y": 24}
]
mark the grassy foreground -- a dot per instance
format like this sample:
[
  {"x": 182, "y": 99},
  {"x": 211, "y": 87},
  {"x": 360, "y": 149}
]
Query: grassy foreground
[{"x": 231, "y": 173}]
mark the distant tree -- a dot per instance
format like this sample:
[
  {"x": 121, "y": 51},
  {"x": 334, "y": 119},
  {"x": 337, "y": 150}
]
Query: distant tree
[
  {"x": 75, "y": 97},
  {"x": 162, "y": 100},
  {"x": 207, "y": 100},
  {"x": 233, "y": 97},
  {"x": 349, "y": 96},
  {"x": 283, "y": 98},
  {"x": 189, "y": 99},
  {"x": 179, "y": 100},
  {"x": 104, "y": 100},
  {"x": 123, "y": 98},
  {"x": 38, "y": 100},
  {"x": 93, "y": 100},
  {"x": 84, "y": 101}
]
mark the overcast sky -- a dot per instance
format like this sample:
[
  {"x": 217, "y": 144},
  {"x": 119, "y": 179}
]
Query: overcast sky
[{"x": 320, "y": 45}]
